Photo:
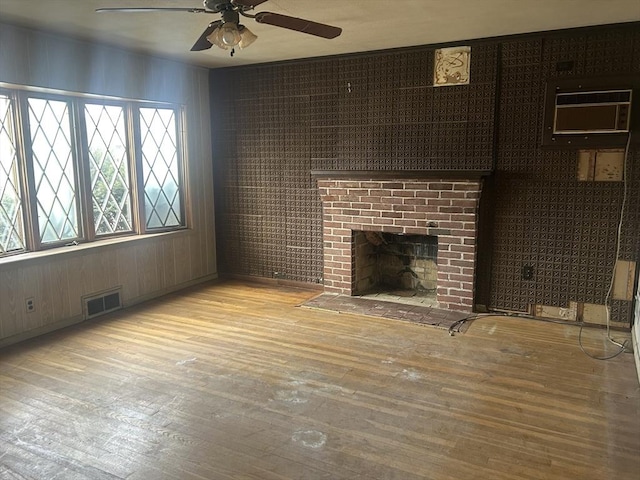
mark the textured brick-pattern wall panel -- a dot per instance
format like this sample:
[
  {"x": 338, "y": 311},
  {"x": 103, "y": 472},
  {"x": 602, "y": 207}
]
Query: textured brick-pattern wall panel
[
  {"x": 568, "y": 235},
  {"x": 444, "y": 208},
  {"x": 381, "y": 112},
  {"x": 275, "y": 123},
  {"x": 544, "y": 217},
  {"x": 272, "y": 124}
]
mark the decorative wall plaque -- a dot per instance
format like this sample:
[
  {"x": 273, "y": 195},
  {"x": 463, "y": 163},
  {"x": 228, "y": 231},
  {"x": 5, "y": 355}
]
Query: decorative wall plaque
[{"x": 451, "y": 66}]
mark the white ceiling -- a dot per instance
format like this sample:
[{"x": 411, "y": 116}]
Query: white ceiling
[{"x": 367, "y": 24}]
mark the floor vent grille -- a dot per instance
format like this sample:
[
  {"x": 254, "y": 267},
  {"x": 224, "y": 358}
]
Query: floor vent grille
[{"x": 101, "y": 303}]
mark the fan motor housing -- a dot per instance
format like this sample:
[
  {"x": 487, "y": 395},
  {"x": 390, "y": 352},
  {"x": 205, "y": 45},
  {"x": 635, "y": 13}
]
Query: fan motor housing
[
  {"x": 218, "y": 6},
  {"x": 230, "y": 16}
]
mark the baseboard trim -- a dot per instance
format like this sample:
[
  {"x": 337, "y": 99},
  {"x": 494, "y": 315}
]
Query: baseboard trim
[
  {"x": 166, "y": 291},
  {"x": 635, "y": 335},
  {"x": 68, "y": 322},
  {"x": 315, "y": 287},
  {"x": 37, "y": 332}
]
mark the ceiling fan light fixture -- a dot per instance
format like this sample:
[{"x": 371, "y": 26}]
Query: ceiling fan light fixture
[
  {"x": 214, "y": 39},
  {"x": 225, "y": 36},
  {"x": 229, "y": 34},
  {"x": 247, "y": 37}
]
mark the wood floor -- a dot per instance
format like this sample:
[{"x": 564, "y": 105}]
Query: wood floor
[{"x": 234, "y": 381}]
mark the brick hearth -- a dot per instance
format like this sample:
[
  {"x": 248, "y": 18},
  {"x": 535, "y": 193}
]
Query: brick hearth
[{"x": 446, "y": 208}]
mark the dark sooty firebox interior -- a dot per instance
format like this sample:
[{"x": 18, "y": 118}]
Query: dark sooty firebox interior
[{"x": 403, "y": 265}]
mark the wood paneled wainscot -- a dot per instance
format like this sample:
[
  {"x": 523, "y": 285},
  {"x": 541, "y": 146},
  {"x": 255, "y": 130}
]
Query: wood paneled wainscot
[
  {"x": 143, "y": 267},
  {"x": 57, "y": 281}
]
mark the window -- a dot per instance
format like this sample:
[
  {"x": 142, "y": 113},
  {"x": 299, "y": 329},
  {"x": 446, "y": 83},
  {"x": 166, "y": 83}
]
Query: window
[
  {"x": 84, "y": 170},
  {"x": 109, "y": 166},
  {"x": 160, "y": 167},
  {"x": 11, "y": 223},
  {"x": 54, "y": 172}
]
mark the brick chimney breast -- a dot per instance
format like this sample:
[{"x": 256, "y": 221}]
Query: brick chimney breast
[{"x": 445, "y": 208}]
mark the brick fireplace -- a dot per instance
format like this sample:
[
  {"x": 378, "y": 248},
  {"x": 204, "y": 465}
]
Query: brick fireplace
[{"x": 443, "y": 207}]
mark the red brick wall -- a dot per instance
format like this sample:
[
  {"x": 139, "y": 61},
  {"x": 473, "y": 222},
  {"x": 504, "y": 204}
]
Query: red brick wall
[{"x": 446, "y": 208}]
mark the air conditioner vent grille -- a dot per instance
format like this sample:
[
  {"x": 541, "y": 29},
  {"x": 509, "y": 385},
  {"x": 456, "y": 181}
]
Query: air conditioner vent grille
[
  {"x": 585, "y": 98},
  {"x": 101, "y": 303}
]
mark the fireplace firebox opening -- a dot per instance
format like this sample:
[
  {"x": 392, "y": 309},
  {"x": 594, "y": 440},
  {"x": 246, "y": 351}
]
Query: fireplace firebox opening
[{"x": 400, "y": 265}]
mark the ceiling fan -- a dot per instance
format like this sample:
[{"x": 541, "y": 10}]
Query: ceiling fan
[{"x": 228, "y": 32}]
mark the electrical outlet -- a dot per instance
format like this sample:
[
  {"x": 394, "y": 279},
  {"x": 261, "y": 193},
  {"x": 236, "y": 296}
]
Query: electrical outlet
[
  {"x": 527, "y": 272},
  {"x": 30, "y": 305}
]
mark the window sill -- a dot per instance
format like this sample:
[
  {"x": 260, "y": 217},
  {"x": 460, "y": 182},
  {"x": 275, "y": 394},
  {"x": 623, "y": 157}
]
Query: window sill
[{"x": 85, "y": 248}]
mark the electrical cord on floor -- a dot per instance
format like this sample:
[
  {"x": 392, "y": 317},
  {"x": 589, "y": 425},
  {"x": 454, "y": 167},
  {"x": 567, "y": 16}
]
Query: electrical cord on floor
[
  {"x": 457, "y": 325},
  {"x": 607, "y": 301},
  {"x": 622, "y": 347}
]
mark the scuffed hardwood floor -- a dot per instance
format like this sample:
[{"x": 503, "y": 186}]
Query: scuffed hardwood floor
[{"x": 234, "y": 381}]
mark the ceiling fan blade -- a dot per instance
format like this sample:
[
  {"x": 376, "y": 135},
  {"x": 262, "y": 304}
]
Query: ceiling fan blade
[
  {"x": 249, "y": 3},
  {"x": 298, "y": 24},
  {"x": 151, "y": 9},
  {"x": 202, "y": 43}
]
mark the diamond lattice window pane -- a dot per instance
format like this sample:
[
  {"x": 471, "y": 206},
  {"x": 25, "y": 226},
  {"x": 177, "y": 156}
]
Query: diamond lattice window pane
[
  {"x": 11, "y": 221},
  {"x": 109, "y": 166},
  {"x": 54, "y": 170},
  {"x": 160, "y": 167}
]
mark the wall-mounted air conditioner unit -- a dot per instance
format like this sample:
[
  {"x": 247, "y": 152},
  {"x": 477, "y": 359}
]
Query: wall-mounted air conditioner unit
[
  {"x": 592, "y": 112},
  {"x": 589, "y": 112}
]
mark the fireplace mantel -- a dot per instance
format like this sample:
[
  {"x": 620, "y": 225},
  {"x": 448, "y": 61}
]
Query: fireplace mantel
[{"x": 400, "y": 174}]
